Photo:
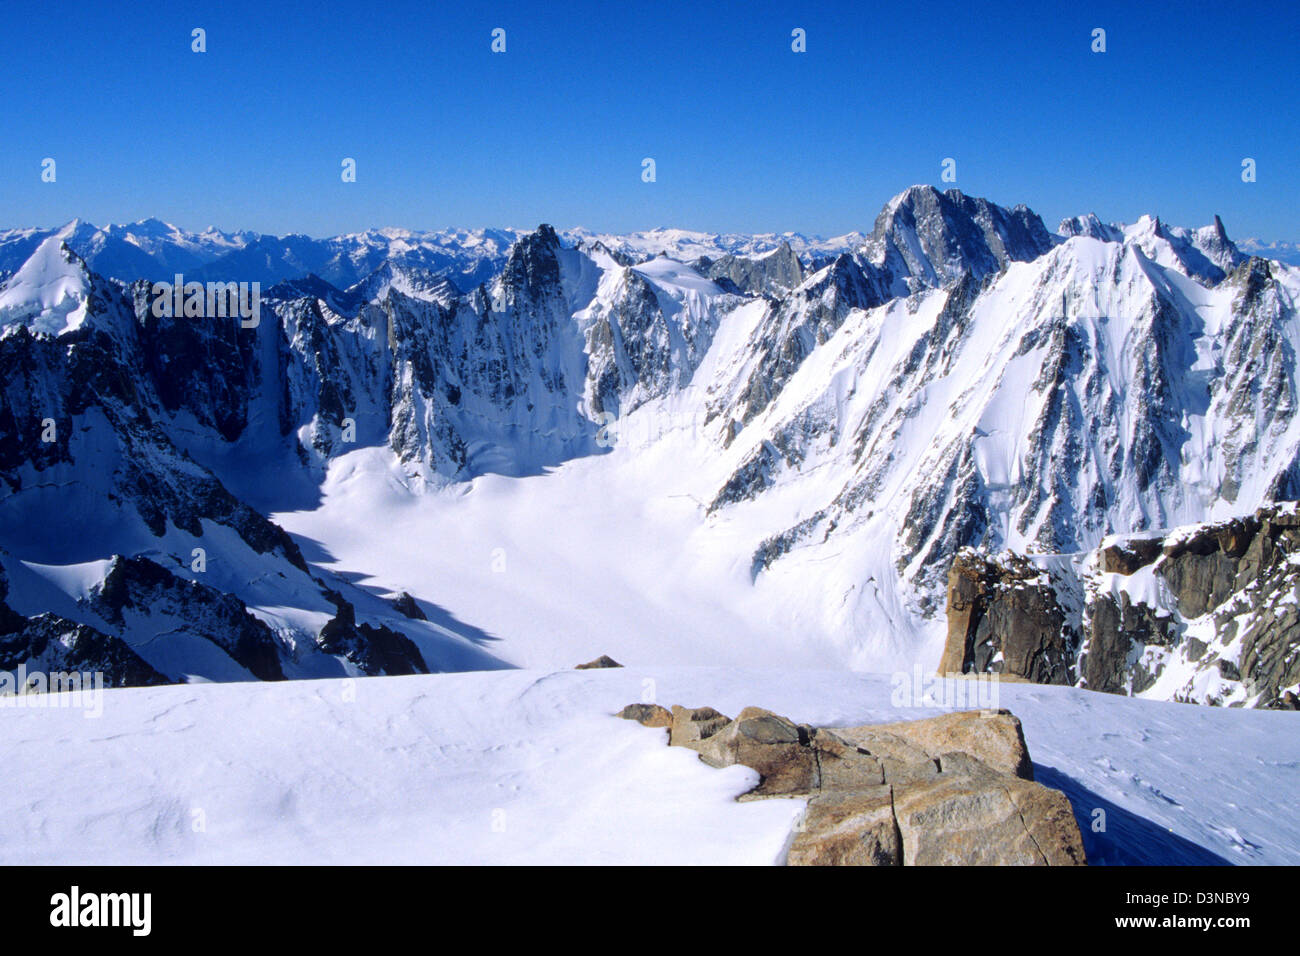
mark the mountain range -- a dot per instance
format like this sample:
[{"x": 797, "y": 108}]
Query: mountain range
[{"x": 751, "y": 449}]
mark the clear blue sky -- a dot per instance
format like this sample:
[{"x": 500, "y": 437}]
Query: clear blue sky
[{"x": 747, "y": 136}]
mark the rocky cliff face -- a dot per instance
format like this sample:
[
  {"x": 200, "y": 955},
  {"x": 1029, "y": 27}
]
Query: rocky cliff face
[
  {"x": 1007, "y": 615},
  {"x": 774, "y": 274},
  {"x": 1206, "y": 613}
]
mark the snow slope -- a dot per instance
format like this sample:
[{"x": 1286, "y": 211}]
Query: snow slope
[
  {"x": 529, "y": 767},
  {"x": 48, "y": 294}
]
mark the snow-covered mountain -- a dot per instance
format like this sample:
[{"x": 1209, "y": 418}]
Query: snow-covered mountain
[
  {"x": 1288, "y": 252},
  {"x": 687, "y": 246},
  {"x": 670, "y": 446},
  {"x": 156, "y": 250}
]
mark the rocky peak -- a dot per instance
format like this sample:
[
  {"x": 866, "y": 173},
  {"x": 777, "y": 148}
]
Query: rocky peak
[
  {"x": 1252, "y": 276},
  {"x": 1092, "y": 227},
  {"x": 48, "y": 293},
  {"x": 924, "y": 237},
  {"x": 773, "y": 274},
  {"x": 532, "y": 269}
]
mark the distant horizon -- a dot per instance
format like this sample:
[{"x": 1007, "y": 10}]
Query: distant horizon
[{"x": 1052, "y": 224}]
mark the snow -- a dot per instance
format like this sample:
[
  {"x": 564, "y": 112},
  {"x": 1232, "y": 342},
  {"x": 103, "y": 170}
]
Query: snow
[
  {"x": 48, "y": 294},
  {"x": 660, "y": 590},
  {"x": 670, "y": 273},
  {"x": 529, "y": 766},
  {"x": 686, "y": 245}
]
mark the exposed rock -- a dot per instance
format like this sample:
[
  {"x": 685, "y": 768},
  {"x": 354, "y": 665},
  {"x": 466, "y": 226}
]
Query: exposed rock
[
  {"x": 408, "y": 607},
  {"x": 855, "y": 828},
  {"x": 770, "y": 744},
  {"x": 773, "y": 274},
  {"x": 140, "y": 598},
  {"x": 690, "y": 725},
  {"x": 1127, "y": 556},
  {"x": 1005, "y": 616},
  {"x": 995, "y": 738},
  {"x": 50, "y": 644},
  {"x": 1115, "y": 630},
  {"x": 954, "y": 789},
  {"x": 648, "y": 715},
  {"x": 1118, "y": 619},
  {"x": 604, "y": 660},
  {"x": 981, "y": 819},
  {"x": 374, "y": 648},
  {"x": 842, "y": 765}
]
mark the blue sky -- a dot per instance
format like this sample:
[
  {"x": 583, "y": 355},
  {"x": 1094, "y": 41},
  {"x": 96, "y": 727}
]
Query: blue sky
[{"x": 747, "y": 135}]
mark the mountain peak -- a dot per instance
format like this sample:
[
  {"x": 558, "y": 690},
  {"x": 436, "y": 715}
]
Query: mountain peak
[
  {"x": 49, "y": 292},
  {"x": 914, "y": 193},
  {"x": 1092, "y": 227},
  {"x": 924, "y": 237},
  {"x": 154, "y": 226}
]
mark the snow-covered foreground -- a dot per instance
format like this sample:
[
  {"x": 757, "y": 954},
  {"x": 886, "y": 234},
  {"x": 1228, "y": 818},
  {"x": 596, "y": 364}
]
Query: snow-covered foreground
[{"x": 528, "y": 766}]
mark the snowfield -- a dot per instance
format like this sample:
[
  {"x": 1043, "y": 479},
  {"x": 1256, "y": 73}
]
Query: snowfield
[
  {"x": 529, "y": 766},
  {"x": 532, "y": 566}
]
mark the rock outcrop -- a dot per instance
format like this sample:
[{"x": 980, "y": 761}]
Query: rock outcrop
[
  {"x": 956, "y": 789},
  {"x": 1205, "y": 614},
  {"x": 604, "y": 660},
  {"x": 774, "y": 274},
  {"x": 648, "y": 715},
  {"x": 1005, "y": 616}
]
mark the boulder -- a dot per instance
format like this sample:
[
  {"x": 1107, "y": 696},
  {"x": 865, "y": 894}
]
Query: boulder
[
  {"x": 778, "y": 749},
  {"x": 953, "y": 789},
  {"x": 648, "y": 715},
  {"x": 604, "y": 660},
  {"x": 994, "y": 737},
  {"x": 986, "y": 819},
  {"x": 842, "y": 765},
  {"x": 855, "y": 828},
  {"x": 690, "y": 725}
]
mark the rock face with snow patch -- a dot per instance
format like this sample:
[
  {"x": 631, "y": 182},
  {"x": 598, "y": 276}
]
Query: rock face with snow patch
[
  {"x": 143, "y": 600},
  {"x": 927, "y": 238},
  {"x": 1006, "y": 617},
  {"x": 1207, "y": 613},
  {"x": 47, "y": 644},
  {"x": 774, "y": 274}
]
